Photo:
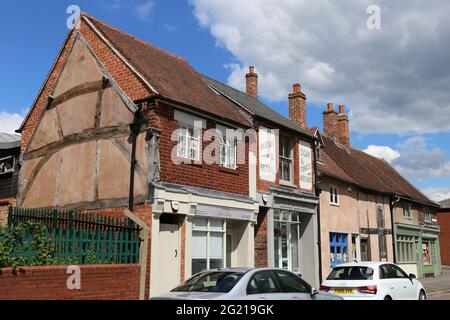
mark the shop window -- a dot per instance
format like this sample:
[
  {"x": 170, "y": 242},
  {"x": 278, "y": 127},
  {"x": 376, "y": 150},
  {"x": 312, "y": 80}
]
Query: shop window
[
  {"x": 227, "y": 151},
  {"x": 426, "y": 253},
  {"x": 355, "y": 247},
  {"x": 427, "y": 214},
  {"x": 334, "y": 196},
  {"x": 338, "y": 248},
  {"x": 286, "y": 235},
  {"x": 208, "y": 244},
  {"x": 406, "y": 249},
  {"x": 7, "y": 165},
  {"x": 286, "y": 160},
  {"x": 189, "y": 142},
  {"x": 407, "y": 210}
]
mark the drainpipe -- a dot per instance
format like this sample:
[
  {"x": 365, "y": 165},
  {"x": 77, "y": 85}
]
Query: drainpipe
[
  {"x": 135, "y": 128},
  {"x": 318, "y": 191},
  {"x": 392, "y": 205}
]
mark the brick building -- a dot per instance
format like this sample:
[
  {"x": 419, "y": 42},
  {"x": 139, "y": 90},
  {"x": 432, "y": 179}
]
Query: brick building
[
  {"x": 443, "y": 217},
  {"x": 368, "y": 211},
  {"x": 111, "y": 98},
  {"x": 283, "y": 181},
  {"x": 9, "y": 172}
]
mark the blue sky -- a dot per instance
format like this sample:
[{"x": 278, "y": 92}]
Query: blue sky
[{"x": 222, "y": 38}]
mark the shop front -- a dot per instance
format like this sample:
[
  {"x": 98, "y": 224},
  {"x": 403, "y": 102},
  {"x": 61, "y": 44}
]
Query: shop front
[
  {"x": 418, "y": 249},
  {"x": 196, "y": 229},
  {"x": 292, "y": 231}
]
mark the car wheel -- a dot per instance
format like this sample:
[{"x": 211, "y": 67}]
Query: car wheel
[
  {"x": 422, "y": 296},
  {"x": 387, "y": 298}
]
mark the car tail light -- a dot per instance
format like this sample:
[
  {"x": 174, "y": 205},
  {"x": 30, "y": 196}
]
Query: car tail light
[
  {"x": 368, "y": 289},
  {"x": 324, "y": 288}
]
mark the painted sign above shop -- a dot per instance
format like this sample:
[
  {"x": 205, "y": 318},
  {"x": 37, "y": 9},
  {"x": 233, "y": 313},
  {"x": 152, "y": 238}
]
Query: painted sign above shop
[
  {"x": 306, "y": 171},
  {"x": 267, "y": 154},
  {"x": 224, "y": 212}
]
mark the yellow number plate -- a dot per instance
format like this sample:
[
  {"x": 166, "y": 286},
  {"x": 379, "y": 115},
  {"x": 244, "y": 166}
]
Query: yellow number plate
[{"x": 344, "y": 291}]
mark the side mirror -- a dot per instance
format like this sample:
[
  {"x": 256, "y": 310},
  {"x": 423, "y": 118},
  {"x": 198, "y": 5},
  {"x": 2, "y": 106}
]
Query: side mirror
[
  {"x": 314, "y": 291},
  {"x": 412, "y": 276}
]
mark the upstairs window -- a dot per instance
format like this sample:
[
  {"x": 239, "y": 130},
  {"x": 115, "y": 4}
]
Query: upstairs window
[
  {"x": 427, "y": 214},
  {"x": 227, "y": 150},
  {"x": 334, "y": 196},
  {"x": 7, "y": 165},
  {"x": 407, "y": 210},
  {"x": 286, "y": 160},
  {"x": 189, "y": 142}
]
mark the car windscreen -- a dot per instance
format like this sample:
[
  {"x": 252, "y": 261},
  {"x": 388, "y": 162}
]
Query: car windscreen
[
  {"x": 351, "y": 273},
  {"x": 219, "y": 281}
]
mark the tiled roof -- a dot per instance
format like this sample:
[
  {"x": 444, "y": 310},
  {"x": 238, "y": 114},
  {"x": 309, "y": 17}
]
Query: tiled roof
[
  {"x": 9, "y": 141},
  {"x": 445, "y": 204},
  {"x": 171, "y": 76},
  {"x": 366, "y": 171},
  {"x": 255, "y": 106}
]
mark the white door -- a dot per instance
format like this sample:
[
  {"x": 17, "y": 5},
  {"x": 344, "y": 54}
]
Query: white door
[{"x": 168, "y": 260}]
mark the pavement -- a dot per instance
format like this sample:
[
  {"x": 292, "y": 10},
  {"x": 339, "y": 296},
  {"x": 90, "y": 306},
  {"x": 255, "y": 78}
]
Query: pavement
[{"x": 438, "y": 288}]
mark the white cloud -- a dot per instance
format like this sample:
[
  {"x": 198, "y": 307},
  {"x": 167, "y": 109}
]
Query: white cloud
[
  {"x": 414, "y": 159},
  {"x": 394, "y": 80},
  {"x": 10, "y": 122},
  {"x": 382, "y": 152},
  {"x": 143, "y": 10},
  {"x": 438, "y": 193}
]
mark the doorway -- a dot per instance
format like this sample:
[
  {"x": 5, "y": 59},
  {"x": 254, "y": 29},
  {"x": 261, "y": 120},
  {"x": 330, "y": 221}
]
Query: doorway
[{"x": 168, "y": 262}]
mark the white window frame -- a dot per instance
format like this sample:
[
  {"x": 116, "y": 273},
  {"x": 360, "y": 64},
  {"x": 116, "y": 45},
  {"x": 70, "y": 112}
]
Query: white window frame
[
  {"x": 13, "y": 164},
  {"x": 289, "y": 223},
  {"x": 407, "y": 209},
  {"x": 290, "y": 159},
  {"x": 192, "y": 137},
  {"x": 334, "y": 196},
  {"x": 227, "y": 150},
  {"x": 427, "y": 217},
  {"x": 208, "y": 231}
]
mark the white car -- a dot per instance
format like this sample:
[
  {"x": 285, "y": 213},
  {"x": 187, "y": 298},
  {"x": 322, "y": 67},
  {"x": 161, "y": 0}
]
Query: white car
[
  {"x": 373, "y": 281},
  {"x": 246, "y": 284}
]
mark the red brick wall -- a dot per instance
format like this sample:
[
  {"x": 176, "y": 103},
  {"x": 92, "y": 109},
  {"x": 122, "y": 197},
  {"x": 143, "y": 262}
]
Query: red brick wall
[
  {"x": 98, "y": 282},
  {"x": 444, "y": 236},
  {"x": 4, "y": 207},
  {"x": 144, "y": 212},
  {"x": 261, "y": 256},
  {"x": 197, "y": 175},
  {"x": 263, "y": 185}
]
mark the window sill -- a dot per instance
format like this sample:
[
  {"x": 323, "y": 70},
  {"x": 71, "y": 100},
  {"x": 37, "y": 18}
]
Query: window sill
[
  {"x": 192, "y": 164},
  {"x": 229, "y": 170},
  {"x": 335, "y": 204},
  {"x": 287, "y": 184}
]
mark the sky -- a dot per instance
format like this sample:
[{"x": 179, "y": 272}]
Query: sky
[{"x": 389, "y": 66}]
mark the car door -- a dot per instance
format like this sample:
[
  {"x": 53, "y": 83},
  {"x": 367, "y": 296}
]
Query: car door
[
  {"x": 407, "y": 288},
  {"x": 389, "y": 283},
  {"x": 263, "y": 285},
  {"x": 293, "y": 286}
]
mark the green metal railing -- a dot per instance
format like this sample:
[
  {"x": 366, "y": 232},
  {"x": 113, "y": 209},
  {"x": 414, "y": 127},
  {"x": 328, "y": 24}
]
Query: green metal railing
[{"x": 79, "y": 237}]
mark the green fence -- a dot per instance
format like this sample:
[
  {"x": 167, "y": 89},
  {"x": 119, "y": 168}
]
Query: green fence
[{"x": 79, "y": 237}]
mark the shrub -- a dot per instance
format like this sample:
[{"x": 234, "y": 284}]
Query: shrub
[{"x": 28, "y": 244}]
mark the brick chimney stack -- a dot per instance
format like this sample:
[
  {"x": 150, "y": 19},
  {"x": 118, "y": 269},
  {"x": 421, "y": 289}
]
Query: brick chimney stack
[
  {"x": 252, "y": 82},
  {"x": 343, "y": 129},
  {"x": 330, "y": 120},
  {"x": 297, "y": 105}
]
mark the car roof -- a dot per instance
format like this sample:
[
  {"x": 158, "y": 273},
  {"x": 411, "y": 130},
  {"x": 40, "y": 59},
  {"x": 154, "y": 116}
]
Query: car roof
[{"x": 370, "y": 264}]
